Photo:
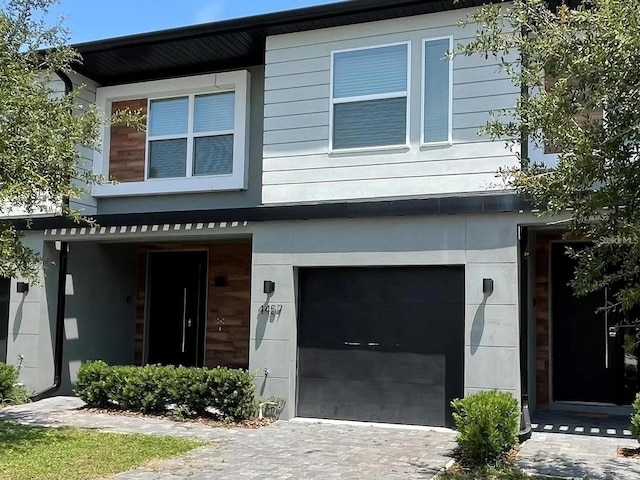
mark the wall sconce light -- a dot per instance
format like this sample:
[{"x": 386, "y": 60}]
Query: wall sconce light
[
  {"x": 269, "y": 287},
  {"x": 22, "y": 287},
  {"x": 487, "y": 286}
]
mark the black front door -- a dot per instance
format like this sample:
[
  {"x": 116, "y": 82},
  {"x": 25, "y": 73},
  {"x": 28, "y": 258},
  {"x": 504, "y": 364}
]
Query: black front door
[
  {"x": 176, "y": 307},
  {"x": 590, "y": 362},
  {"x": 5, "y": 289}
]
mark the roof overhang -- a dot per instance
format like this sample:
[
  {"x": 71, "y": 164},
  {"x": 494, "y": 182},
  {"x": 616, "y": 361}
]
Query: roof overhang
[{"x": 232, "y": 44}]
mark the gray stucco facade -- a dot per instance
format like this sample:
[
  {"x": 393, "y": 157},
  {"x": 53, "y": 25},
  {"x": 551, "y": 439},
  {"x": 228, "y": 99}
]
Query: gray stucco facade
[{"x": 101, "y": 284}]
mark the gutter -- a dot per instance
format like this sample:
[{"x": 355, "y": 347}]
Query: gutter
[
  {"x": 525, "y": 415},
  {"x": 58, "y": 346}
]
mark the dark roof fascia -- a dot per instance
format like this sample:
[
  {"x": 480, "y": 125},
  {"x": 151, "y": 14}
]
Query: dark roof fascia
[
  {"x": 489, "y": 203},
  {"x": 263, "y": 22},
  {"x": 180, "y": 51}
]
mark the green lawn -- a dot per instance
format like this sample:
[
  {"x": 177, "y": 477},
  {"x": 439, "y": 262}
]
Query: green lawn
[
  {"x": 506, "y": 473},
  {"x": 33, "y": 453}
]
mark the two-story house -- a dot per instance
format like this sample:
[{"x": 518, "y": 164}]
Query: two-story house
[{"x": 311, "y": 200}]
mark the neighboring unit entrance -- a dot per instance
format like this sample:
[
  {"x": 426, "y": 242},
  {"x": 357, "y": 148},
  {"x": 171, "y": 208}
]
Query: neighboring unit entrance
[
  {"x": 5, "y": 292},
  {"x": 176, "y": 307},
  {"x": 381, "y": 344},
  {"x": 590, "y": 363}
]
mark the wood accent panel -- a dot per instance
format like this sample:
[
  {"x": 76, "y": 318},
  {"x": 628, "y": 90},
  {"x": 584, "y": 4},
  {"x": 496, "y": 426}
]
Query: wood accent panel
[
  {"x": 543, "y": 347},
  {"x": 228, "y": 305},
  {"x": 228, "y": 325},
  {"x": 127, "y": 146}
]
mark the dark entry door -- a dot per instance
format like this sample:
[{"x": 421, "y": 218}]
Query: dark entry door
[
  {"x": 5, "y": 289},
  {"x": 590, "y": 363},
  {"x": 176, "y": 305},
  {"x": 381, "y": 344}
]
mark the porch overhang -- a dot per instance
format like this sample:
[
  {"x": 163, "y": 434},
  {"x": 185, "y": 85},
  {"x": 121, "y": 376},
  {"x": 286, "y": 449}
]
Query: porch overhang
[{"x": 118, "y": 230}]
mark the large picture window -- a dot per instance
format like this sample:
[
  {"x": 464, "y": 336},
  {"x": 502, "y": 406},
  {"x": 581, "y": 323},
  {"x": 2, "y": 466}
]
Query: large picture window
[
  {"x": 369, "y": 96},
  {"x": 191, "y": 135}
]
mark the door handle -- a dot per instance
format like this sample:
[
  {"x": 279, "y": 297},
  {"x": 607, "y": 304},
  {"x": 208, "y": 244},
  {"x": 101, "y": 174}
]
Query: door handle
[{"x": 184, "y": 320}]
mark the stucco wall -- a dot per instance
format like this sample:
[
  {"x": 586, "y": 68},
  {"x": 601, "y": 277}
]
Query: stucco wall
[{"x": 485, "y": 244}]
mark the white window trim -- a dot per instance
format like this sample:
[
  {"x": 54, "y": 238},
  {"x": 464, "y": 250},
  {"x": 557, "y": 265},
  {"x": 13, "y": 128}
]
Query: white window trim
[
  {"x": 238, "y": 81},
  {"x": 362, "y": 98},
  {"x": 423, "y": 112}
]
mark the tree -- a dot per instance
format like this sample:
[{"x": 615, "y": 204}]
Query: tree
[
  {"x": 40, "y": 129},
  {"x": 573, "y": 63}
]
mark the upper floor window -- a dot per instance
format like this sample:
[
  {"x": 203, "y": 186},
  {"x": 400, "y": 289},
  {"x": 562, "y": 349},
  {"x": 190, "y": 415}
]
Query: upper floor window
[
  {"x": 436, "y": 91},
  {"x": 370, "y": 97},
  {"x": 191, "y": 135},
  {"x": 196, "y": 140}
]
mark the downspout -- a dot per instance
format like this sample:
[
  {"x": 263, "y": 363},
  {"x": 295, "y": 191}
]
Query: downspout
[
  {"x": 58, "y": 346},
  {"x": 525, "y": 415}
]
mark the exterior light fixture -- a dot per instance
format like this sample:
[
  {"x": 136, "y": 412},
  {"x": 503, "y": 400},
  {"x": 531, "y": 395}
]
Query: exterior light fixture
[
  {"x": 487, "y": 286},
  {"x": 22, "y": 287},
  {"x": 269, "y": 287}
]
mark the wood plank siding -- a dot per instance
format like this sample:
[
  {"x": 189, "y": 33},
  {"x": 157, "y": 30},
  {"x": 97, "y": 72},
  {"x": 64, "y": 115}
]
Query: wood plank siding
[
  {"x": 543, "y": 338},
  {"x": 228, "y": 304},
  {"x": 127, "y": 146}
]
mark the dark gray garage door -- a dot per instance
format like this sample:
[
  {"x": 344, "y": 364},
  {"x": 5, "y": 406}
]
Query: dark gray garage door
[{"x": 381, "y": 344}]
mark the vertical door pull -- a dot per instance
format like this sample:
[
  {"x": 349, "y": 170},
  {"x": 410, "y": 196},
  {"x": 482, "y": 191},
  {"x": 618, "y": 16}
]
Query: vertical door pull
[{"x": 184, "y": 320}]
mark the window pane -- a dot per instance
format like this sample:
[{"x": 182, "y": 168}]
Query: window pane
[
  {"x": 214, "y": 113},
  {"x": 168, "y": 158},
  {"x": 436, "y": 93},
  {"x": 372, "y": 123},
  {"x": 169, "y": 117},
  {"x": 370, "y": 71},
  {"x": 213, "y": 155}
]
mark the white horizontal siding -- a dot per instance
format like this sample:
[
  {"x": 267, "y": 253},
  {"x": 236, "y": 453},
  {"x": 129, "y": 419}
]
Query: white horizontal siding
[
  {"x": 86, "y": 204},
  {"x": 297, "y": 165}
]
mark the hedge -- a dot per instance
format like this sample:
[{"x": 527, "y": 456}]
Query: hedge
[{"x": 164, "y": 389}]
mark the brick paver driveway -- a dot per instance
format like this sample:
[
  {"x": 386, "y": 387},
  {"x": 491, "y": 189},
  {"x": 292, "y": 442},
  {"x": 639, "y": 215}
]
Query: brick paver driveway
[{"x": 286, "y": 450}]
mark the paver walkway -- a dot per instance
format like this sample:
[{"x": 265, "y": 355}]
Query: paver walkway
[
  {"x": 579, "y": 447},
  {"x": 286, "y": 450}
]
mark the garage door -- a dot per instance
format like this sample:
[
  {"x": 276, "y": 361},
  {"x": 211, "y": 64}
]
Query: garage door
[{"x": 381, "y": 344}]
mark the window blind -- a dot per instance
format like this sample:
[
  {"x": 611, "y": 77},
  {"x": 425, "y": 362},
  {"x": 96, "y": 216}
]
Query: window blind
[
  {"x": 371, "y": 71},
  {"x": 214, "y": 113},
  {"x": 436, "y": 91},
  {"x": 169, "y": 117},
  {"x": 362, "y": 116}
]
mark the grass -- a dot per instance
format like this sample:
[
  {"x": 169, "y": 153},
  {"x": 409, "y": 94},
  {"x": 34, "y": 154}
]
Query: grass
[
  {"x": 35, "y": 453},
  {"x": 488, "y": 473}
]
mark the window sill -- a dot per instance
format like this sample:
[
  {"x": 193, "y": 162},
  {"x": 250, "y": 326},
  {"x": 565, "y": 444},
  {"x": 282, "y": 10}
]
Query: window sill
[
  {"x": 379, "y": 150},
  {"x": 169, "y": 186},
  {"x": 435, "y": 145}
]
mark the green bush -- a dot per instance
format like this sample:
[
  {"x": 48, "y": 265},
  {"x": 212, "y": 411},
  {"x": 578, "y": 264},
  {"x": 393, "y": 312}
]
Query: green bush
[
  {"x": 10, "y": 391},
  {"x": 163, "y": 389},
  {"x": 488, "y": 425},
  {"x": 8, "y": 379},
  {"x": 635, "y": 418}
]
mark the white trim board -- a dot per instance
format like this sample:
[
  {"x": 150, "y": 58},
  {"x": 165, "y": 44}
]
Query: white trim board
[{"x": 239, "y": 81}]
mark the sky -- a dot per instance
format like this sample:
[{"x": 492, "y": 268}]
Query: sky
[{"x": 89, "y": 20}]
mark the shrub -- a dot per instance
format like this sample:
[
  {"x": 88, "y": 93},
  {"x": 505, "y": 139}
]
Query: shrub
[
  {"x": 635, "y": 418},
  {"x": 488, "y": 425},
  {"x": 8, "y": 379},
  {"x": 10, "y": 391},
  {"x": 160, "y": 389}
]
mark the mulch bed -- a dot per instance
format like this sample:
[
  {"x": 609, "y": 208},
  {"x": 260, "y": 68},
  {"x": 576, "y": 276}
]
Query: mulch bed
[
  {"x": 624, "y": 452},
  {"x": 252, "y": 423},
  {"x": 461, "y": 465}
]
